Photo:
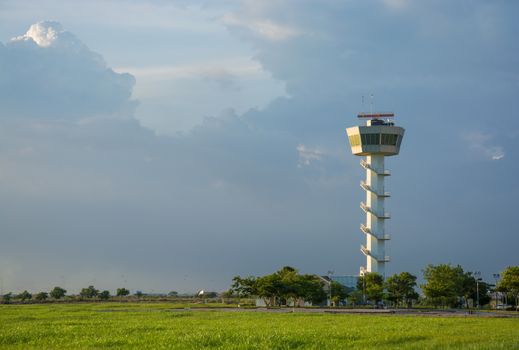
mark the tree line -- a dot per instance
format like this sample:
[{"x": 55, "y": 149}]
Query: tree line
[
  {"x": 281, "y": 287},
  {"x": 58, "y": 293},
  {"x": 444, "y": 285},
  {"x": 91, "y": 293}
]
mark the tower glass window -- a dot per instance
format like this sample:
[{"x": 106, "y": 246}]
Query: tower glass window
[
  {"x": 370, "y": 139},
  {"x": 389, "y": 139}
]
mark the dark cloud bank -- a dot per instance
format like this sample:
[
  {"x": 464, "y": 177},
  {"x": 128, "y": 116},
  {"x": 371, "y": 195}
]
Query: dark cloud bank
[{"x": 89, "y": 196}]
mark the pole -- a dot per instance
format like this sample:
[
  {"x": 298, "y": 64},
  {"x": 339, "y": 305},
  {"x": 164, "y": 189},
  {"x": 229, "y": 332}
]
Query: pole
[
  {"x": 477, "y": 274},
  {"x": 496, "y": 277},
  {"x": 477, "y": 293},
  {"x": 330, "y": 273},
  {"x": 364, "y": 288}
]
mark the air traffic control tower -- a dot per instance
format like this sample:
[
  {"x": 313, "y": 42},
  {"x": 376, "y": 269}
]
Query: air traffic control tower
[{"x": 376, "y": 140}]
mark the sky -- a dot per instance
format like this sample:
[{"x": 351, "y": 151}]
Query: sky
[{"x": 171, "y": 145}]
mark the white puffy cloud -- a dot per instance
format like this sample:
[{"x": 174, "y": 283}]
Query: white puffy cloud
[
  {"x": 44, "y": 34},
  {"x": 49, "y": 73}
]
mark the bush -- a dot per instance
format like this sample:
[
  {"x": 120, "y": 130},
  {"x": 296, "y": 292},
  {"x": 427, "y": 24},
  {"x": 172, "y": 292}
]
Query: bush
[
  {"x": 41, "y": 296},
  {"x": 25, "y": 295},
  {"x": 6, "y": 298},
  {"x": 57, "y": 293},
  {"x": 89, "y": 292},
  {"x": 104, "y": 295},
  {"x": 122, "y": 292}
]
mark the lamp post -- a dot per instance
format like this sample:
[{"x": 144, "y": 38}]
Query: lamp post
[
  {"x": 330, "y": 273},
  {"x": 477, "y": 274},
  {"x": 496, "y": 277}
]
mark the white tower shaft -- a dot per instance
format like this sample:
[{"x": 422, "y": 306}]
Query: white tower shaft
[{"x": 375, "y": 215}]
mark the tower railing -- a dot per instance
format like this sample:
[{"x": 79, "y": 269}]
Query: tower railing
[
  {"x": 367, "y": 209},
  {"x": 366, "y": 230},
  {"x": 367, "y": 252},
  {"x": 367, "y": 166},
  {"x": 368, "y": 188}
]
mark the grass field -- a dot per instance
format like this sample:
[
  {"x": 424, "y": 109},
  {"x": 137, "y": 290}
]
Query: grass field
[{"x": 159, "y": 326}]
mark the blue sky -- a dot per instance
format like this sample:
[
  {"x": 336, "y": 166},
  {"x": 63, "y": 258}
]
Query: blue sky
[{"x": 170, "y": 145}]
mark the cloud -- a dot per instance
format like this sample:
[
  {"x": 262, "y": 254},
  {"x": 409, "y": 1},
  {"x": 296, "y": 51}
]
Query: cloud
[
  {"x": 109, "y": 191},
  {"x": 307, "y": 155},
  {"x": 222, "y": 77},
  {"x": 215, "y": 197},
  {"x": 483, "y": 144},
  {"x": 170, "y": 96},
  {"x": 262, "y": 28},
  {"x": 49, "y": 73},
  {"x": 44, "y": 34}
]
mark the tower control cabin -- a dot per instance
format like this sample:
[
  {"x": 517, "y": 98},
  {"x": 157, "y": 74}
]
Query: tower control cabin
[{"x": 376, "y": 140}]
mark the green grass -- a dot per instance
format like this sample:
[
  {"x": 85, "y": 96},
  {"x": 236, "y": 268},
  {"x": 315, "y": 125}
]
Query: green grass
[{"x": 159, "y": 326}]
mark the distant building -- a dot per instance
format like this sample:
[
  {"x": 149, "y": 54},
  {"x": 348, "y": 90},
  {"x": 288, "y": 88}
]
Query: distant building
[
  {"x": 349, "y": 281},
  {"x": 346, "y": 280}
]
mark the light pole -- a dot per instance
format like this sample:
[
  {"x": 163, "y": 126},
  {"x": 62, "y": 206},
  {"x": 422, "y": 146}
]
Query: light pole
[
  {"x": 330, "y": 273},
  {"x": 477, "y": 274},
  {"x": 496, "y": 277}
]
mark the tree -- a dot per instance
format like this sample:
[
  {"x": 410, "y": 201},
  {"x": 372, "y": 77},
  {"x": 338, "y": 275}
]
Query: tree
[
  {"x": 6, "y": 298},
  {"x": 270, "y": 289},
  {"x": 41, "y": 296},
  {"x": 104, "y": 295},
  {"x": 339, "y": 292},
  {"x": 25, "y": 295},
  {"x": 308, "y": 288},
  {"x": 281, "y": 287},
  {"x": 356, "y": 297},
  {"x": 139, "y": 294},
  {"x": 401, "y": 289},
  {"x": 289, "y": 285},
  {"x": 210, "y": 294},
  {"x": 244, "y": 287},
  {"x": 372, "y": 284},
  {"x": 122, "y": 292},
  {"x": 89, "y": 292},
  {"x": 509, "y": 283},
  {"x": 445, "y": 284},
  {"x": 228, "y": 294},
  {"x": 57, "y": 293},
  {"x": 467, "y": 286},
  {"x": 173, "y": 294}
]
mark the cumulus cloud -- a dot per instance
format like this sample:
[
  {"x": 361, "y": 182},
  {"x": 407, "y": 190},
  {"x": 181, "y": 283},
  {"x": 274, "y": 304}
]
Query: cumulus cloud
[
  {"x": 49, "y": 73},
  {"x": 44, "y": 34}
]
